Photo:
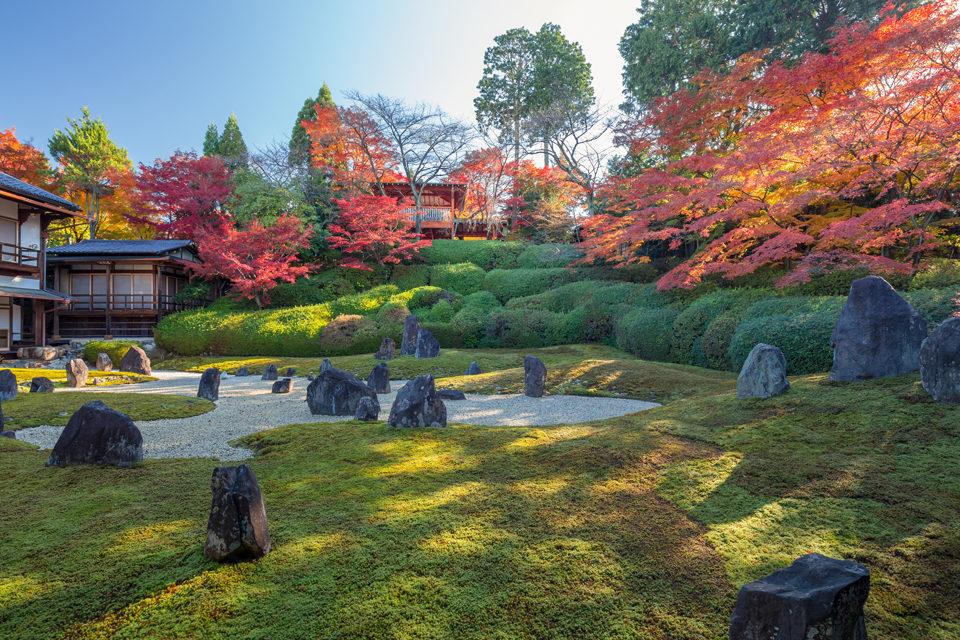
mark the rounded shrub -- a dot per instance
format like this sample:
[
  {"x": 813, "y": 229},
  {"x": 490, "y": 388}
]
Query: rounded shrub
[
  {"x": 482, "y": 300},
  {"x": 542, "y": 256},
  {"x": 716, "y": 339},
  {"x": 441, "y": 311},
  {"x": 116, "y": 349},
  {"x": 423, "y": 297},
  {"x": 486, "y": 254},
  {"x": 935, "y": 305},
  {"x": 464, "y": 278},
  {"x": 693, "y": 320},
  {"x": 445, "y": 333},
  {"x": 392, "y": 313},
  {"x": 469, "y": 324},
  {"x": 647, "y": 333},
  {"x": 366, "y": 303},
  {"x": 938, "y": 273},
  {"x": 517, "y": 328},
  {"x": 410, "y": 276},
  {"x": 507, "y": 284},
  {"x": 345, "y": 332}
]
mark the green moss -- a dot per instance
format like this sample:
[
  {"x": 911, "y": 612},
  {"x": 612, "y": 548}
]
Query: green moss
[
  {"x": 116, "y": 349},
  {"x": 35, "y": 409},
  {"x": 94, "y": 378}
]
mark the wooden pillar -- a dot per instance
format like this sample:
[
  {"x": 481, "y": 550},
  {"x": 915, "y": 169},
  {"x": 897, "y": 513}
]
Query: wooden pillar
[
  {"x": 156, "y": 291},
  {"x": 56, "y": 287},
  {"x": 39, "y": 326},
  {"x": 109, "y": 304}
]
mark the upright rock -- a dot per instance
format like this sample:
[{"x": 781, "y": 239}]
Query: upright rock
[
  {"x": 878, "y": 333},
  {"x": 104, "y": 363},
  {"x": 41, "y": 385},
  {"x": 379, "y": 378},
  {"x": 326, "y": 365},
  {"x": 290, "y": 372},
  {"x": 135, "y": 360},
  {"x": 815, "y": 597},
  {"x": 473, "y": 369},
  {"x": 418, "y": 405},
  {"x": 209, "y": 384},
  {"x": 368, "y": 410},
  {"x": 96, "y": 434},
  {"x": 270, "y": 373},
  {"x": 8, "y": 385},
  {"x": 284, "y": 385},
  {"x": 242, "y": 372},
  {"x": 3, "y": 432},
  {"x": 237, "y": 528},
  {"x": 387, "y": 351},
  {"x": 764, "y": 373},
  {"x": 336, "y": 393},
  {"x": 77, "y": 373},
  {"x": 411, "y": 329},
  {"x": 427, "y": 345},
  {"x": 940, "y": 362},
  {"x": 534, "y": 376}
]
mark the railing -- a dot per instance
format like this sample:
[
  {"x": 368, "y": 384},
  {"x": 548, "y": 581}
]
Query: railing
[
  {"x": 128, "y": 302},
  {"x": 430, "y": 214},
  {"x": 23, "y": 256}
]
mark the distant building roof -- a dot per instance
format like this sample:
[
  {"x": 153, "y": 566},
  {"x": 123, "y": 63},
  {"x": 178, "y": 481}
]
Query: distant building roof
[
  {"x": 9, "y": 183},
  {"x": 115, "y": 248}
]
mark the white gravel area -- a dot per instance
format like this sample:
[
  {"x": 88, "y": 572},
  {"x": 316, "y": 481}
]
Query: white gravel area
[{"x": 247, "y": 406}]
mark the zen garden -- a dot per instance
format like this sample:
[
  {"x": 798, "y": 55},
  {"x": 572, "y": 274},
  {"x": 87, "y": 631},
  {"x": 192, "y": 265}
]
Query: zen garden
[{"x": 683, "y": 367}]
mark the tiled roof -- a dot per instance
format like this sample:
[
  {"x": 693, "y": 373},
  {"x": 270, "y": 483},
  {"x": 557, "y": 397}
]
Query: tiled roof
[
  {"x": 9, "y": 183},
  {"x": 119, "y": 247}
]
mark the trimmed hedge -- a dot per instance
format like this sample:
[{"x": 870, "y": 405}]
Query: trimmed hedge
[
  {"x": 803, "y": 337},
  {"x": 647, "y": 333},
  {"x": 482, "y": 300},
  {"x": 410, "y": 276},
  {"x": 464, "y": 278},
  {"x": 690, "y": 325},
  {"x": 116, "y": 349},
  {"x": 935, "y": 305},
  {"x": 486, "y": 254},
  {"x": 542, "y": 256},
  {"x": 508, "y": 284}
]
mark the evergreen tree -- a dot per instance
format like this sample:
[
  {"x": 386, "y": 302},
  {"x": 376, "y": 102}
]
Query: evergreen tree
[
  {"x": 231, "y": 146},
  {"x": 299, "y": 140},
  {"x": 211, "y": 141}
]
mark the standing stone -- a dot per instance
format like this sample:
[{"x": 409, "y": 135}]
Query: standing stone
[
  {"x": 940, "y": 362},
  {"x": 136, "y": 361},
  {"x": 387, "y": 351},
  {"x": 815, "y": 597},
  {"x": 270, "y": 373},
  {"x": 764, "y": 373},
  {"x": 427, "y": 345},
  {"x": 96, "y": 434},
  {"x": 326, "y": 365},
  {"x": 41, "y": 385},
  {"x": 241, "y": 372},
  {"x": 473, "y": 369},
  {"x": 878, "y": 333},
  {"x": 290, "y": 372},
  {"x": 104, "y": 363},
  {"x": 237, "y": 529},
  {"x": 336, "y": 393},
  {"x": 451, "y": 394},
  {"x": 368, "y": 409},
  {"x": 282, "y": 386},
  {"x": 411, "y": 329},
  {"x": 379, "y": 378},
  {"x": 3, "y": 431},
  {"x": 77, "y": 373},
  {"x": 209, "y": 384},
  {"x": 8, "y": 385},
  {"x": 418, "y": 405},
  {"x": 534, "y": 376}
]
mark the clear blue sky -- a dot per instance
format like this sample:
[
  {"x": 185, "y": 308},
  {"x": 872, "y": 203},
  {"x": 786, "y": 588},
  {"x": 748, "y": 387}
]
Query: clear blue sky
[{"x": 158, "y": 73}]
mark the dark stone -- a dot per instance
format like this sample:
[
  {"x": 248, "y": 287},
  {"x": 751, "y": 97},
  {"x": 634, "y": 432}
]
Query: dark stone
[
  {"x": 41, "y": 385},
  {"x": 940, "y": 362},
  {"x": 77, "y": 373},
  {"x": 96, "y": 434},
  {"x": 282, "y": 386},
  {"x": 9, "y": 434},
  {"x": 290, "y": 372},
  {"x": 878, "y": 333},
  {"x": 3, "y": 432},
  {"x": 326, "y": 365},
  {"x": 8, "y": 385},
  {"x": 764, "y": 373},
  {"x": 379, "y": 378},
  {"x": 387, "y": 351},
  {"x": 534, "y": 376},
  {"x": 368, "y": 409},
  {"x": 815, "y": 598},
  {"x": 237, "y": 529},
  {"x": 311, "y": 378},
  {"x": 136, "y": 361},
  {"x": 451, "y": 394},
  {"x": 411, "y": 329},
  {"x": 209, "y": 384},
  {"x": 104, "y": 363},
  {"x": 241, "y": 372},
  {"x": 418, "y": 405},
  {"x": 270, "y": 373},
  {"x": 336, "y": 393},
  {"x": 473, "y": 369},
  {"x": 427, "y": 345}
]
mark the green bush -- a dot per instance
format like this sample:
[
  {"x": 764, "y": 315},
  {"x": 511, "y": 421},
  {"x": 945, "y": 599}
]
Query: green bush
[
  {"x": 517, "y": 328},
  {"x": 392, "y": 313},
  {"x": 366, "y": 303},
  {"x": 935, "y": 274},
  {"x": 690, "y": 325},
  {"x": 647, "y": 333},
  {"x": 116, "y": 349},
  {"x": 543, "y": 256},
  {"x": 716, "y": 339},
  {"x": 446, "y": 334},
  {"x": 585, "y": 323},
  {"x": 442, "y": 311},
  {"x": 349, "y": 334},
  {"x": 423, "y": 297},
  {"x": 935, "y": 305},
  {"x": 482, "y": 300},
  {"x": 410, "y": 276},
  {"x": 636, "y": 273},
  {"x": 507, "y": 284},
  {"x": 464, "y": 278},
  {"x": 469, "y": 324},
  {"x": 804, "y": 339},
  {"x": 486, "y": 254}
]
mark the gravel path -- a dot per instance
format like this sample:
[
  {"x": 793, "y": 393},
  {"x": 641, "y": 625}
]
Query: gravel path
[{"x": 247, "y": 406}]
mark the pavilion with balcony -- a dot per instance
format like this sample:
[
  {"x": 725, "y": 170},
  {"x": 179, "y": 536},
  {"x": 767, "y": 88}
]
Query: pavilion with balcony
[{"x": 442, "y": 212}]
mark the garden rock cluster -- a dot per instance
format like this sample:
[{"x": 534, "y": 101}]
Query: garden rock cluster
[
  {"x": 534, "y": 376},
  {"x": 418, "y": 405},
  {"x": 97, "y": 434},
  {"x": 135, "y": 360},
  {"x": 209, "y": 385},
  {"x": 940, "y": 362},
  {"x": 237, "y": 528},
  {"x": 336, "y": 393},
  {"x": 387, "y": 350},
  {"x": 764, "y": 373},
  {"x": 77, "y": 373}
]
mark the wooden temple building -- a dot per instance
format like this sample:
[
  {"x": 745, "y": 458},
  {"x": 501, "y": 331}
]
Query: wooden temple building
[{"x": 442, "y": 212}]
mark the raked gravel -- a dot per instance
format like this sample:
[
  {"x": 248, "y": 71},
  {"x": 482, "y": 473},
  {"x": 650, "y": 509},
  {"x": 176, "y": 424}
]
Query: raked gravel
[{"x": 247, "y": 406}]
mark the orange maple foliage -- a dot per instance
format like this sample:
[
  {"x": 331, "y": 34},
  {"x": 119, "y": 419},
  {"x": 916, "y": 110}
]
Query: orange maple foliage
[{"x": 24, "y": 161}]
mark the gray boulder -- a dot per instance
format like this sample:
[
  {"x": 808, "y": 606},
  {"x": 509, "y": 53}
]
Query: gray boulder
[
  {"x": 411, "y": 329},
  {"x": 209, "y": 384},
  {"x": 336, "y": 393},
  {"x": 3, "y": 431},
  {"x": 8, "y": 385},
  {"x": 878, "y": 333},
  {"x": 104, "y": 363},
  {"x": 379, "y": 378},
  {"x": 96, "y": 434},
  {"x": 326, "y": 365},
  {"x": 77, "y": 373},
  {"x": 237, "y": 528},
  {"x": 290, "y": 372},
  {"x": 284, "y": 385},
  {"x": 418, "y": 405},
  {"x": 764, "y": 373},
  {"x": 940, "y": 362},
  {"x": 387, "y": 351},
  {"x": 534, "y": 376},
  {"x": 135, "y": 360},
  {"x": 270, "y": 373},
  {"x": 41, "y": 385},
  {"x": 814, "y": 598},
  {"x": 427, "y": 345},
  {"x": 451, "y": 394},
  {"x": 368, "y": 409},
  {"x": 241, "y": 372},
  {"x": 473, "y": 369}
]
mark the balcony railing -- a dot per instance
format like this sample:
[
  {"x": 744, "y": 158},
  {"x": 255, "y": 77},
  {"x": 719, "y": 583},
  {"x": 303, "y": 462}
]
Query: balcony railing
[
  {"x": 21, "y": 256},
  {"x": 430, "y": 214},
  {"x": 128, "y": 302}
]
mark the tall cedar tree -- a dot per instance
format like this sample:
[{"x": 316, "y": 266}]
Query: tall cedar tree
[
  {"x": 231, "y": 146},
  {"x": 211, "y": 141},
  {"x": 374, "y": 230},
  {"x": 299, "y": 138}
]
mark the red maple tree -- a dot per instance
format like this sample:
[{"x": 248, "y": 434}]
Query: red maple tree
[
  {"x": 375, "y": 230},
  {"x": 24, "y": 161}
]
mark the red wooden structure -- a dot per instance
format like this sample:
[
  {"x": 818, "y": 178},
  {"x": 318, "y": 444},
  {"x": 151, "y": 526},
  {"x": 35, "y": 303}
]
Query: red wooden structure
[{"x": 442, "y": 213}]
